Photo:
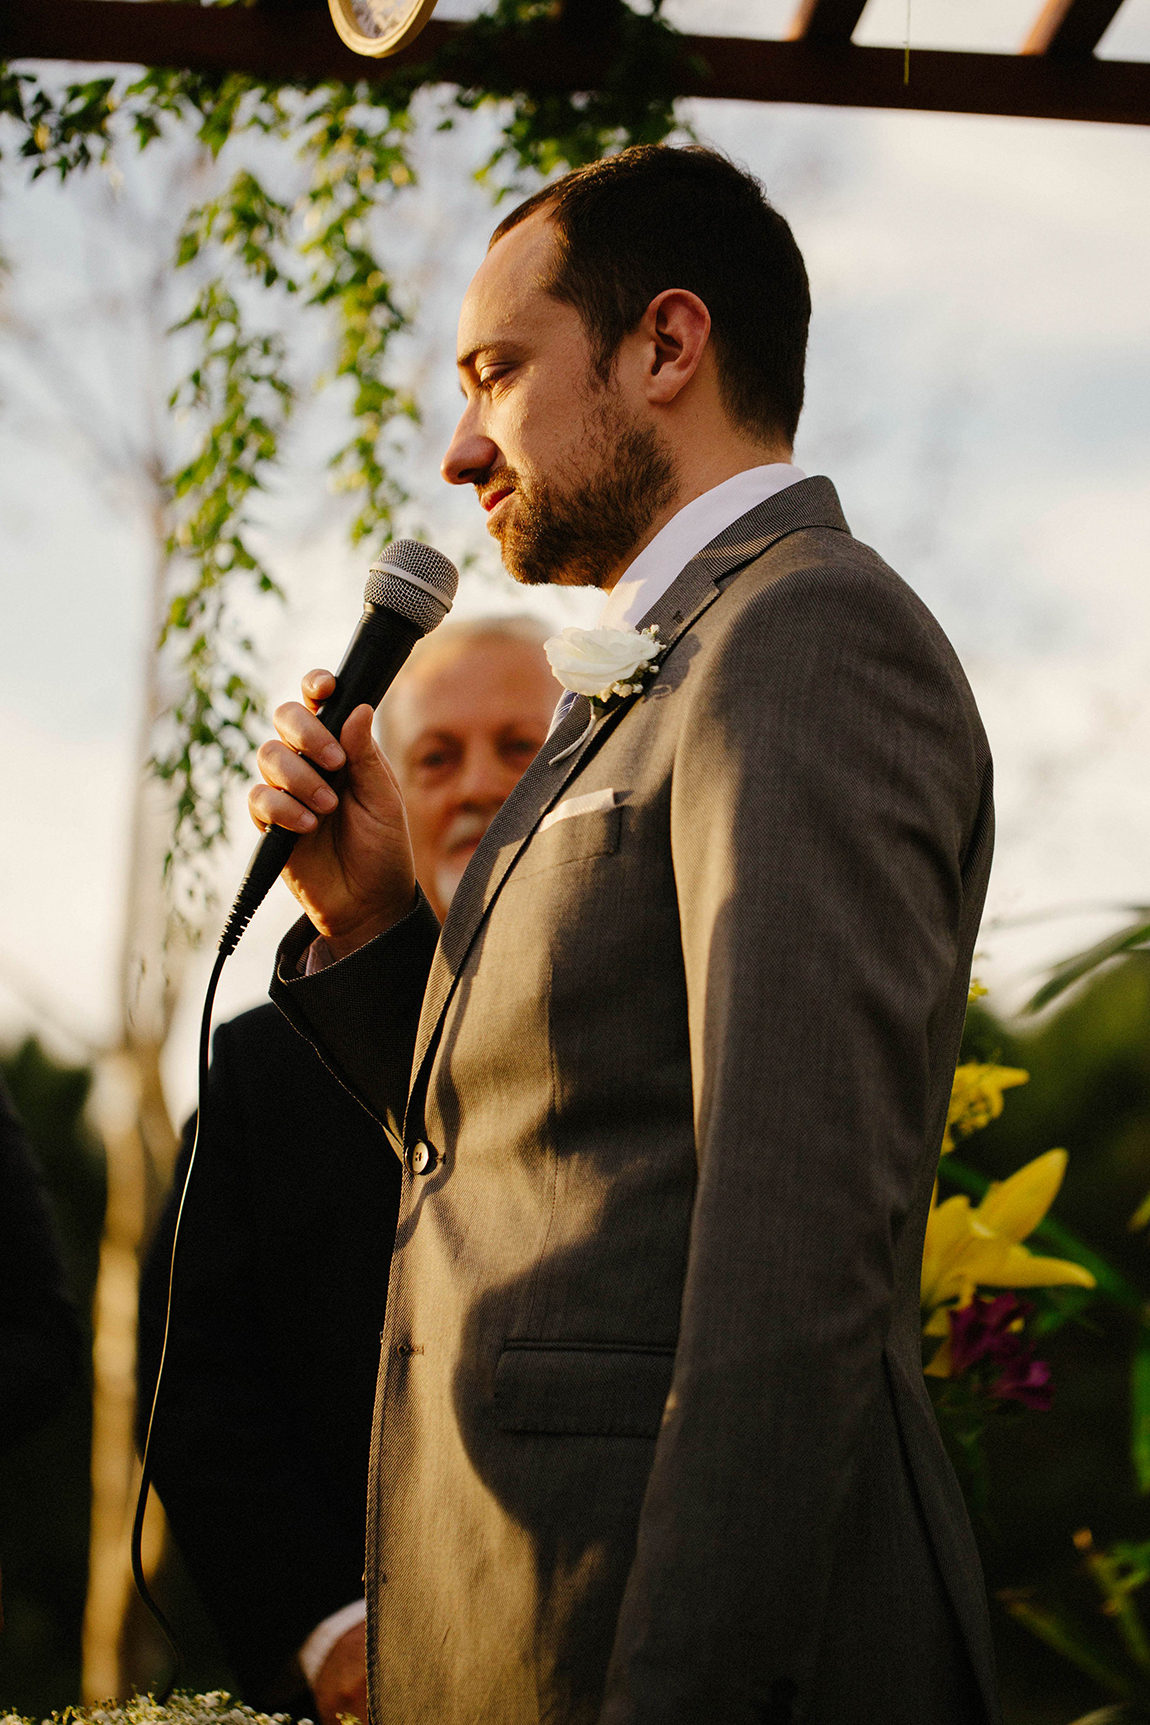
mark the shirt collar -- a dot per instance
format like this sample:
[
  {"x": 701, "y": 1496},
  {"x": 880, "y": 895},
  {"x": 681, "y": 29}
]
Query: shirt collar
[{"x": 695, "y": 525}]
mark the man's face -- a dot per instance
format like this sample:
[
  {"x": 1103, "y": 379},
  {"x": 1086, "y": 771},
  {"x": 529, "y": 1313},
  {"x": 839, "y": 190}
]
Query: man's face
[
  {"x": 568, "y": 468},
  {"x": 459, "y": 727}
]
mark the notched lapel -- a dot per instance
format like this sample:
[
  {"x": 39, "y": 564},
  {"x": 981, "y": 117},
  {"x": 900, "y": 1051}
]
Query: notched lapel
[
  {"x": 541, "y": 786},
  {"x": 810, "y": 503}
]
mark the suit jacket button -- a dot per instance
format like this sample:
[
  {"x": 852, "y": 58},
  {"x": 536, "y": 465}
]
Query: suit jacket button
[{"x": 423, "y": 1158}]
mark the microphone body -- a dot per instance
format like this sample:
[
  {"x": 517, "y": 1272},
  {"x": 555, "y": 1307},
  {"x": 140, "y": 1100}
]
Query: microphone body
[{"x": 409, "y": 592}]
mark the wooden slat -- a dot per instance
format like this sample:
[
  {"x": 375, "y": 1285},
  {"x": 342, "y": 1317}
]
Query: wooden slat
[
  {"x": 1038, "y": 87},
  {"x": 826, "y": 20},
  {"x": 240, "y": 38},
  {"x": 1071, "y": 26}
]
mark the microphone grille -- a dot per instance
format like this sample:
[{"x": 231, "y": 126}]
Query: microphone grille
[{"x": 414, "y": 579}]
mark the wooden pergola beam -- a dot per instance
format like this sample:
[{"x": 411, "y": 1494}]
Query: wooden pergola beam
[
  {"x": 826, "y": 20},
  {"x": 301, "y": 45},
  {"x": 1071, "y": 26}
]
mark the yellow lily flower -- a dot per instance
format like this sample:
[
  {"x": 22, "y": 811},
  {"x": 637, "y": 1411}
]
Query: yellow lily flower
[
  {"x": 968, "y": 1248},
  {"x": 971, "y": 1248},
  {"x": 976, "y": 1097}
]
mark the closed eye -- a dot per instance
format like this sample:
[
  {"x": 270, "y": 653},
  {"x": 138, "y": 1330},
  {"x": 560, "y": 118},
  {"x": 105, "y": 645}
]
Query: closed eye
[{"x": 488, "y": 379}]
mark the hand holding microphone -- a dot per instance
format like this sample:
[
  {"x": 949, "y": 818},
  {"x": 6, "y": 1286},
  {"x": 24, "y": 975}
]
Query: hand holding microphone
[{"x": 345, "y": 852}]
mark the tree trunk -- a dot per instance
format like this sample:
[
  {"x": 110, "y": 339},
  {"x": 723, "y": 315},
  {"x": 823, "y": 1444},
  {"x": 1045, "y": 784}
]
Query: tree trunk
[{"x": 141, "y": 1149}]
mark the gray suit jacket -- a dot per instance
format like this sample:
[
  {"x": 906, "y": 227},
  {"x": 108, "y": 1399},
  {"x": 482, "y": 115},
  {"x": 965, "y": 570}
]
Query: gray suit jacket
[{"x": 651, "y": 1437}]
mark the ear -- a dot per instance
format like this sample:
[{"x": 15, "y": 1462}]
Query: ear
[{"x": 676, "y": 327}]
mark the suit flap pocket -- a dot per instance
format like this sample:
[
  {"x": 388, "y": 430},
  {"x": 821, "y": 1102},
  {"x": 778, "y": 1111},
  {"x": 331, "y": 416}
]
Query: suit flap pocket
[
  {"x": 594, "y": 833},
  {"x": 583, "y": 1388}
]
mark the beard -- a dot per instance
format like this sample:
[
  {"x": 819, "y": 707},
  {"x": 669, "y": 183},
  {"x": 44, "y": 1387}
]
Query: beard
[{"x": 576, "y": 538}]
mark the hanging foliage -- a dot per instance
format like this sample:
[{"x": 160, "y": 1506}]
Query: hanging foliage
[{"x": 251, "y": 250}]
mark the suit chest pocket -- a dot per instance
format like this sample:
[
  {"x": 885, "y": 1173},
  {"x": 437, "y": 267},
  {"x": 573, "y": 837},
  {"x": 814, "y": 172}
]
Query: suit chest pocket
[
  {"x": 593, "y": 834},
  {"x": 582, "y": 1388}
]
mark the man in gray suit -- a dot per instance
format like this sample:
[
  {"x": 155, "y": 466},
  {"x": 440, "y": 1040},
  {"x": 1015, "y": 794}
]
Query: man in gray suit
[{"x": 651, "y": 1440}]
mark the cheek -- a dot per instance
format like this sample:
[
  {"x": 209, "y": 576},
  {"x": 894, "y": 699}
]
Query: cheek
[
  {"x": 543, "y": 430},
  {"x": 427, "y": 813},
  {"x": 512, "y": 772}
]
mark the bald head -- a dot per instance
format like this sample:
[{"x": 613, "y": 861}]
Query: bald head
[{"x": 460, "y": 723}]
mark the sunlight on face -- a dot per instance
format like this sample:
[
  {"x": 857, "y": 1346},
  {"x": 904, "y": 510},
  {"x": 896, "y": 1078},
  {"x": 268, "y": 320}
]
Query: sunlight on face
[{"x": 569, "y": 473}]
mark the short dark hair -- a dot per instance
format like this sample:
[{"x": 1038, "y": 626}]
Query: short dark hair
[{"x": 656, "y": 217}]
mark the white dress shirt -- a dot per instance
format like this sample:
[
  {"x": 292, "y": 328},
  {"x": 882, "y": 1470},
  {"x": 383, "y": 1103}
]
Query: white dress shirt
[
  {"x": 325, "y": 1635},
  {"x": 696, "y": 524},
  {"x": 647, "y": 578}
]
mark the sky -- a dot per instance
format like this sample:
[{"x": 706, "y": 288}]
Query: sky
[{"x": 979, "y": 391}]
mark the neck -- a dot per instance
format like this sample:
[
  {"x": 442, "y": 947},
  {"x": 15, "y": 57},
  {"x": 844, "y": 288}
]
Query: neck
[{"x": 711, "y": 468}]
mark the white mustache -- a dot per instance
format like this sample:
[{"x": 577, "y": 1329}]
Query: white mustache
[{"x": 467, "y": 828}]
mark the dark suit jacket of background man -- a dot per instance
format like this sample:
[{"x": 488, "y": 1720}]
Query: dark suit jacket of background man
[
  {"x": 41, "y": 1341},
  {"x": 652, "y": 1443},
  {"x": 262, "y": 1436}
]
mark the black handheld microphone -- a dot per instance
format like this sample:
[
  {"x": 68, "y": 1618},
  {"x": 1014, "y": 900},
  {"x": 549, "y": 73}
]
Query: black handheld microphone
[{"x": 408, "y": 594}]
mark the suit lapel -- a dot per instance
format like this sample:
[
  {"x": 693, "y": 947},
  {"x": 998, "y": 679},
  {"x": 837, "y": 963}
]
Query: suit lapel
[{"x": 810, "y": 503}]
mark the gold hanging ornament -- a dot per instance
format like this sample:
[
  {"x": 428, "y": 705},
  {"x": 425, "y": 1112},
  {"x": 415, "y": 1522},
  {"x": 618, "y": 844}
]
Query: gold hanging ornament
[{"x": 379, "y": 27}]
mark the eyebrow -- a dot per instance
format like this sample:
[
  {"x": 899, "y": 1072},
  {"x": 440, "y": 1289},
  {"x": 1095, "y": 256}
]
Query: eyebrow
[{"x": 435, "y": 734}]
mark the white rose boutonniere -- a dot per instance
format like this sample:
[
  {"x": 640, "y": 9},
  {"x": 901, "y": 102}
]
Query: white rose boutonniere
[{"x": 603, "y": 664}]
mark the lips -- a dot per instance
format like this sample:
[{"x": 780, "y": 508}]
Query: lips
[{"x": 496, "y": 496}]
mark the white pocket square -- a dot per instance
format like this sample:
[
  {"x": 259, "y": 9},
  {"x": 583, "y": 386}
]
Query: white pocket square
[{"x": 584, "y": 805}]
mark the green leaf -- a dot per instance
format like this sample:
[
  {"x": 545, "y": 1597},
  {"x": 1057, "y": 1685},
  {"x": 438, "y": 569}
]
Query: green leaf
[
  {"x": 1129, "y": 939},
  {"x": 1066, "y": 1637},
  {"x": 1140, "y": 1410}
]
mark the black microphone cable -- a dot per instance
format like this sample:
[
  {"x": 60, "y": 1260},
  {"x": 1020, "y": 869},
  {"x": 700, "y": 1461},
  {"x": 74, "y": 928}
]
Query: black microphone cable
[{"x": 409, "y": 592}]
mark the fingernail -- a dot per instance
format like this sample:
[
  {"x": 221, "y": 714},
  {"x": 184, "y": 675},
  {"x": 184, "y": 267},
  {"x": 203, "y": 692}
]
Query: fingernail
[
  {"x": 307, "y": 820},
  {"x": 324, "y": 799},
  {"x": 332, "y": 756}
]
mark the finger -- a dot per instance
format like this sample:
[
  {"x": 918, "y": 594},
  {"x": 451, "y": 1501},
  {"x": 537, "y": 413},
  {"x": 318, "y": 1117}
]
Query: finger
[
  {"x": 284, "y": 770},
  {"x": 303, "y": 732},
  {"x": 317, "y": 687},
  {"x": 271, "y": 808}
]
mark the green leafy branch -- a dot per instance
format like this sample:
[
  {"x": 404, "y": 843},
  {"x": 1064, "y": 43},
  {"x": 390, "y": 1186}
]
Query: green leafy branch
[
  {"x": 319, "y": 248},
  {"x": 550, "y": 130},
  {"x": 354, "y": 164},
  {"x": 246, "y": 244},
  {"x": 1120, "y": 1663},
  {"x": 239, "y": 388}
]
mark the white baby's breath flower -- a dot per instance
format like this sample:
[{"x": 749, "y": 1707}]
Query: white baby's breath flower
[
  {"x": 601, "y": 662},
  {"x": 214, "y": 1708}
]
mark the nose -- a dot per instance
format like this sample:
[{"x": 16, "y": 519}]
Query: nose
[
  {"x": 470, "y": 455},
  {"x": 483, "y": 781}
]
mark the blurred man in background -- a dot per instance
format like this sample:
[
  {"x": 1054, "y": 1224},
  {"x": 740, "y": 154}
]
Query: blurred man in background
[
  {"x": 459, "y": 726},
  {"x": 41, "y": 1339},
  {"x": 261, "y": 1438}
]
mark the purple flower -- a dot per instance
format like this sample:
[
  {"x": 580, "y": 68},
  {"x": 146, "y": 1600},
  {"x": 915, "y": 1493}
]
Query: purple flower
[
  {"x": 985, "y": 1329},
  {"x": 990, "y": 1331},
  {"x": 1025, "y": 1380}
]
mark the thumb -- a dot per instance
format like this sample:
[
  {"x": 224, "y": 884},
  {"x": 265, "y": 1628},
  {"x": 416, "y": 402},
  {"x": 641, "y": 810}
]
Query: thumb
[
  {"x": 356, "y": 739},
  {"x": 369, "y": 775}
]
